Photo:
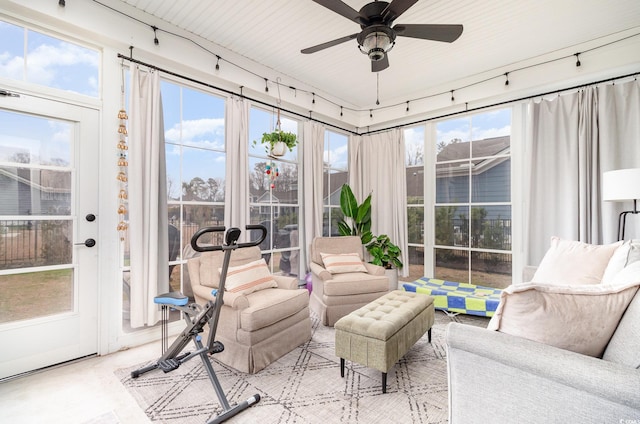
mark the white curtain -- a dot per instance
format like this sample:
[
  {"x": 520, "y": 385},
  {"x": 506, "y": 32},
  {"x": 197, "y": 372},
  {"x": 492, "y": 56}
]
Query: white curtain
[
  {"x": 377, "y": 166},
  {"x": 619, "y": 128},
  {"x": 313, "y": 174},
  {"x": 236, "y": 205},
  {"x": 147, "y": 198},
  {"x": 572, "y": 139}
]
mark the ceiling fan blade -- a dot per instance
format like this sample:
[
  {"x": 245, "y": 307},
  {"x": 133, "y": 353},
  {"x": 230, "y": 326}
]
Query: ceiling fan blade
[
  {"x": 396, "y": 8},
  {"x": 380, "y": 65},
  {"x": 343, "y": 9},
  {"x": 328, "y": 44},
  {"x": 446, "y": 33}
]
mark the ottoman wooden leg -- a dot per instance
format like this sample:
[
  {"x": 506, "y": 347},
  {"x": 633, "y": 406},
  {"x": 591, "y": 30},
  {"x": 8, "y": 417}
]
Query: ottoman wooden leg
[
  {"x": 384, "y": 382},
  {"x": 342, "y": 367},
  {"x": 429, "y": 335}
]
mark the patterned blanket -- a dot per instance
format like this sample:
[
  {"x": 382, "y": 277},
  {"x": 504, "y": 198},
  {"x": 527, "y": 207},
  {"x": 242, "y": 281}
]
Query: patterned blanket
[{"x": 458, "y": 297}]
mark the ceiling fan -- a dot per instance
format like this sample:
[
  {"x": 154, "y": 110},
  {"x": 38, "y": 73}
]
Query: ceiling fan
[{"x": 378, "y": 36}]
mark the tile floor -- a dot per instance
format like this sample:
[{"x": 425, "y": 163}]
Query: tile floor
[{"x": 82, "y": 392}]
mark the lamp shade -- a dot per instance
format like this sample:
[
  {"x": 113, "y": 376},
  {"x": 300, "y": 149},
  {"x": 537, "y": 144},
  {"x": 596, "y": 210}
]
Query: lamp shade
[{"x": 622, "y": 184}]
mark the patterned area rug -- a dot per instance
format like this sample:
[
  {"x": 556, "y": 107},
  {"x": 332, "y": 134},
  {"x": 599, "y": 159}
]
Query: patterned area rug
[{"x": 305, "y": 386}]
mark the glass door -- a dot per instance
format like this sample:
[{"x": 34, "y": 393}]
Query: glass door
[{"x": 48, "y": 233}]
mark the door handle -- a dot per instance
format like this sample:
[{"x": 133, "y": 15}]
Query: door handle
[{"x": 88, "y": 242}]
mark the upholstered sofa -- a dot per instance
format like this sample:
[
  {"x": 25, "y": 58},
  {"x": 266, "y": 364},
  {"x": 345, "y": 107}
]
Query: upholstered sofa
[
  {"x": 507, "y": 376},
  {"x": 259, "y": 327},
  {"x": 341, "y": 289}
]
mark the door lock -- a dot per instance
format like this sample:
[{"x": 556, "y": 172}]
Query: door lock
[{"x": 88, "y": 242}]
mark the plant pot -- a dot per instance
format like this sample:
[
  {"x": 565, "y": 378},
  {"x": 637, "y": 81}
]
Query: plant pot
[
  {"x": 392, "y": 275},
  {"x": 279, "y": 148}
]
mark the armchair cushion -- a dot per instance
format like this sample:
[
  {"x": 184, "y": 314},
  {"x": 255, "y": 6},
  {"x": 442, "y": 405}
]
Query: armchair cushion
[
  {"x": 574, "y": 263},
  {"x": 577, "y": 318},
  {"x": 268, "y": 307},
  {"x": 340, "y": 263},
  {"x": 248, "y": 278},
  {"x": 355, "y": 283}
]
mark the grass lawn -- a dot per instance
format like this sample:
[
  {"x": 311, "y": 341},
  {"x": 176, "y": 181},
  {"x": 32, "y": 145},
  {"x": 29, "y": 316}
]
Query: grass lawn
[{"x": 35, "y": 294}]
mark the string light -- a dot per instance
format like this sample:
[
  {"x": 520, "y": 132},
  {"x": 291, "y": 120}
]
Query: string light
[
  {"x": 266, "y": 85},
  {"x": 217, "y": 63},
  {"x": 313, "y": 99},
  {"x": 577, "y": 55},
  {"x": 407, "y": 105},
  {"x": 453, "y": 99},
  {"x": 155, "y": 35},
  {"x": 62, "y": 3},
  {"x": 340, "y": 110},
  {"x": 370, "y": 113},
  {"x": 506, "y": 75}
]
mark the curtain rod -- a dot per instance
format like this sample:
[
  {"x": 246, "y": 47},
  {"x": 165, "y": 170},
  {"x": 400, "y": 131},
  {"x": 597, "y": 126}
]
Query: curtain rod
[
  {"x": 575, "y": 87},
  {"x": 421, "y": 121},
  {"x": 139, "y": 62}
]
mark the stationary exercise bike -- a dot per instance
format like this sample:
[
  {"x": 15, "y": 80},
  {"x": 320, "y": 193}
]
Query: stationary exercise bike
[{"x": 197, "y": 316}]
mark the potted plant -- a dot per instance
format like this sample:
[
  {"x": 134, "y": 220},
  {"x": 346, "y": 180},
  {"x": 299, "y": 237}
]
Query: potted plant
[
  {"x": 386, "y": 254},
  {"x": 277, "y": 141},
  {"x": 356, "y": 219}
]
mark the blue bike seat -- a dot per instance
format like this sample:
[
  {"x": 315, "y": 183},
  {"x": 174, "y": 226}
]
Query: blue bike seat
[{"x": 171, "y": 298}]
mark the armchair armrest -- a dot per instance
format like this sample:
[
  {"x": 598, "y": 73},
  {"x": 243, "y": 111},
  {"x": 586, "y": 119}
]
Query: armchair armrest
[
  {"x": 233, "y": 300},
  {"x": 321, "y": 272},
  {"x": 284, "y": 282},
  {"x": 521, "y": 378}
]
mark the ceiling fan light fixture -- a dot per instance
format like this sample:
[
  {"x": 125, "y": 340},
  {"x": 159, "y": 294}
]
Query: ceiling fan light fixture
[{"x": 376, "y": 45}]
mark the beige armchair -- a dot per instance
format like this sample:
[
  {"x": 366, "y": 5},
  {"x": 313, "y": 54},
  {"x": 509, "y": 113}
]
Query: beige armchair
[
  {"x": 257, "y": 328},
  {"x": 336, "y": 295}
]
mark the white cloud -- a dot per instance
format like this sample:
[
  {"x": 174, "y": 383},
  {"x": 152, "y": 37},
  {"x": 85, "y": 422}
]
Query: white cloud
[
  {"x": 205, "y": 133},
  {"x": 11, "y": 67}
]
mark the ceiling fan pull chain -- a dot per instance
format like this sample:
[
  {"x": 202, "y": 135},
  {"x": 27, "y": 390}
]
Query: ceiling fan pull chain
[{"x": 378, "y": 89}]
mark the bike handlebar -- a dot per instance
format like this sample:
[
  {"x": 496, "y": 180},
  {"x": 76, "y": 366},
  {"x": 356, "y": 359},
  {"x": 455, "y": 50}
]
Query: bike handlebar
[{"x": 231, "y": 238}]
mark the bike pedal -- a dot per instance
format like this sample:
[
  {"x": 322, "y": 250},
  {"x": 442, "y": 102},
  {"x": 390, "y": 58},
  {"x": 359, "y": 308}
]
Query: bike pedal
[
  {"x": 217, "y": 347},
  {"x": 168, "y": 365}
]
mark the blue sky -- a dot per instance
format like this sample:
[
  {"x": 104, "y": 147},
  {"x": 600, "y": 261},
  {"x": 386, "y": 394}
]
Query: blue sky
[{"x": 49, "y": 61}]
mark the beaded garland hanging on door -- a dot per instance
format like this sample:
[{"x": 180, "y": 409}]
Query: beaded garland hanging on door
[{"x": 122, "y": 165}]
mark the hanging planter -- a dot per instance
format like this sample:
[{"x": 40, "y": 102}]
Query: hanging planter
[
  {"x": 277, "y": 142},
  {"x": 279, "y": 148}
]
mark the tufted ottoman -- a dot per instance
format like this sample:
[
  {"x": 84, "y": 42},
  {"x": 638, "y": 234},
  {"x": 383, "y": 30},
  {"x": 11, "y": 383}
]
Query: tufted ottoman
[{"x": 380, "y": 333}]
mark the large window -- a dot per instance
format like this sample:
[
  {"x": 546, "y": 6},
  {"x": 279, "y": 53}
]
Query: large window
[
  {"x": 196, "y": 163},
  {"x": 33, "y": 57},
  {"x": 472, "y": 212},
  {"x": 414, "y": 162},
  {"x": 335, "y": 174},
  {"x": 274, "y": 193}
]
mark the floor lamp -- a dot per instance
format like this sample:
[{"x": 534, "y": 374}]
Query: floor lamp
[{"x": 620, "y": 186}]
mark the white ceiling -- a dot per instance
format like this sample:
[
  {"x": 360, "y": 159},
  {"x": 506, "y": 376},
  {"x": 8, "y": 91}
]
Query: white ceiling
[{"x": 497, "y": 34}]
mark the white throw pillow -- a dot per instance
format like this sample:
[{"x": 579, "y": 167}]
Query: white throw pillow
[
  {"x": 574, "y": 263},
  {"x": 577, "y": 318},
  {"x": 629, "y": 274},
  {"x": 340, "y": 263},
  {"x": 617, "y": 262},
  {"x": 248, "y": 278}
]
